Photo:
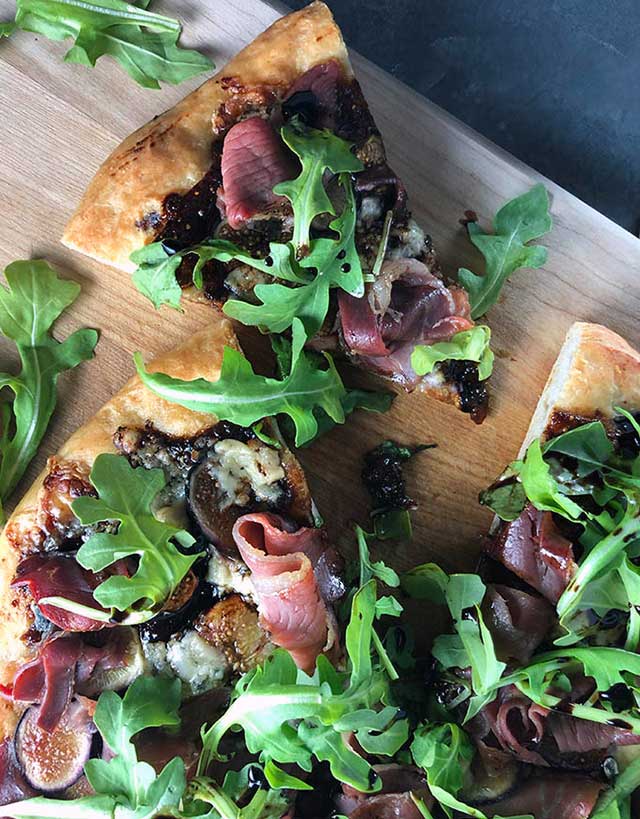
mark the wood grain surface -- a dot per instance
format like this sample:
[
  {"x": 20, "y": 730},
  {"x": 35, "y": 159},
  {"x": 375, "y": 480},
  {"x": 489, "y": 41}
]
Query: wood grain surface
[{"x": 58, "y": 122}]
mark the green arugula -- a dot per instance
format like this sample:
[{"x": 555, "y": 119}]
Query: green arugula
[
  {"x": 505, "y": 250},
  {"x": 445, "y": 753},
  {"x": 35, "y": 299},
  {"x": 318, "y": 151},
  {"x": 336, "y": 264},
  {"x": 125, "y": 788},
  {"x": 264, "y": 803},
  {"x": 615, "y": 801},
  {"x": 7, "y": 29},
  {"x": 559, "y": 477},
  {"x": 145, "y": 44},
  {"x": 310, "y": 267},
  {"x": 351, "y": 400},
  {"x": 126, "y": 495},
  {"x": 241, "y": 396},
  {"x": 468, "y": 345},
  {"x": 290, "y": 718}
]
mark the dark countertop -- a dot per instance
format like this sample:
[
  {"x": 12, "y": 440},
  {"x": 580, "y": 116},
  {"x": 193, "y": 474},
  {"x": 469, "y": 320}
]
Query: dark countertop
[{"x": 555, "y": 82}]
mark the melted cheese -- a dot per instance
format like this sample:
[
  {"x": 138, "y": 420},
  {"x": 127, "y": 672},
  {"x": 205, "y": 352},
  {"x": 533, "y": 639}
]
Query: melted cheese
[
  {"x": 241, "y": 468},
  {"x": 229, "y": 575},
  {"x": 199, "y": 665}
]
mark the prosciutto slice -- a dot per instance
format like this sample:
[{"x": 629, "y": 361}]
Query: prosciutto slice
[
  {"x": 282, "y": 571},
  {"x": 518, "y": 621},
  {"x": 321, "y": 82},
  {"x": 405, "y": 306},
  {"x": 550, "y": 796},
  {"x": 61, "y": 576},
  {"x": 51, "y": 679},
  {"x": 532, "y": 548},
  {"x": 254, "y": 160}
]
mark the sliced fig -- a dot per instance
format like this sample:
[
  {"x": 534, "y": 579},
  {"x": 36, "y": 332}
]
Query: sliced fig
[
  {"x": 53, "y": 762},
  {"x": 215, "y": 522},
  {"x": 118, "y": 675},
  {"x": 494, "y": 775}
]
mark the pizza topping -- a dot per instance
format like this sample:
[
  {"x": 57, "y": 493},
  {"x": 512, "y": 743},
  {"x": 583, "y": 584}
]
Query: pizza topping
[
  {"x": 533, "y": 548},
  {"x": 405, "y": 306},
  {"x": 254, "y": 160},
  {"x": 13, "y": 785},
  {"x": 314, "y": 96},
  {"x": 519, "y": 621},
  {"x": 199, "y": 665},
  {"x": 53, "y": 761},
  {"x": 232, "y": 626},
  {"x": 281, "y": 563},
  {"x": 64, "y": 662},
  {"x": 62, "y": 576},
  {"x": 550, "y": 796}
]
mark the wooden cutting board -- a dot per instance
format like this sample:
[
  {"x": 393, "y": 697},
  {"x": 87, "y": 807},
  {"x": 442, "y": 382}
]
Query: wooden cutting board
[{"x": 60, "y": 121}]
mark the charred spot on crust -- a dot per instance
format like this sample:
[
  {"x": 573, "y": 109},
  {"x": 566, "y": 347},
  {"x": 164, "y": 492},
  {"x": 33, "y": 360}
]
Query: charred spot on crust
[{"x": 472, "y": 393}]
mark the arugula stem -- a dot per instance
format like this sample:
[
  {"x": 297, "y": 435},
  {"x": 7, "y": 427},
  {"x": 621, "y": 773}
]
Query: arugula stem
[
  {"x": 599, "y": 558},
  {"x": 384, "y": 657}
]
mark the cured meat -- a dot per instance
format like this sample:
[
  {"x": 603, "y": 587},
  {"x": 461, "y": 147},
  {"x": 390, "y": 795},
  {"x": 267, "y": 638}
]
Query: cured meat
[
  {"x": 61, "y": 576},
  {"x": 518, "y": 621},
  {"x": 289, "y": 599},
  {"x": 254, "y": 160},
  {"x": 392, "y": 801},
  {"x": 405, "y": 306},
  {"x": 580, "y": 736},
  {"x": 51, "y": 678},
  {"x": 314, "y": 95},
  {"x": 550, "y": 796},
  {"x": 532, "y": 548}
]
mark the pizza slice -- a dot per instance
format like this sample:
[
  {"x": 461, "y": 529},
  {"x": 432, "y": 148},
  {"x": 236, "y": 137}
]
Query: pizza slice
[
  {"x": 552, "y": 711},
  {"x": 268, "y": 188},
  {"x": 157, "y": 541}
]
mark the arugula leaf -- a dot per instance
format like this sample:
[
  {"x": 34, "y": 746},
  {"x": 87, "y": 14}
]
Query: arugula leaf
[
  {"x": 241, "y": 396},
  {"x": 505, "y": 250},
  {"x": 472, "y": 644},
  {"x": 310, "y": 267},
  {"x": 468, "y": 345},
  {"x": 7, "y": 29},
  {"x": 506, "y": 497},
  {"x": 145, "y": 44},
  {"x": 600, "y": 559},
  {"x": 290, "y": 718},
  {"x": 125, "y": 788},
  {"x": 126, "y": 495},
  {"x": 445, "y": 753},
  {"x": 352, "y": 399},
  {"x": 35, "y": 299},
  {"x": 369, "y": 570},
  {"x": 589, "y": 444},
  {"x": 336, "y": 263},
  {"x": 148, "y": 702},
  {"x": 318, "y": 151},
  {"x": 236, "y": 788},
  {"x": 541, "y": 487},
  {"x": 426, "y": 582}
]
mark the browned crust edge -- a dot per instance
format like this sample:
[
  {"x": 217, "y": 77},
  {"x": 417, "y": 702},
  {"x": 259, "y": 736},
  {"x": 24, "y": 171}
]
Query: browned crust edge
[{"x": 173, "y": 152}]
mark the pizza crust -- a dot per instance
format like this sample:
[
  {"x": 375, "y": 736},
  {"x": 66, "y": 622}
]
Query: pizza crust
[
  {"x": 199, "y": 356},
  {"x": 595, "y": 372},
  {"x": 174, "y": 151}
]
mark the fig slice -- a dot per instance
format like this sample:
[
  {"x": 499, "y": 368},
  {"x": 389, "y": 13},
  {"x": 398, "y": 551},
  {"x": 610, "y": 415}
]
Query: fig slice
[{"x": 53, "y": 762}]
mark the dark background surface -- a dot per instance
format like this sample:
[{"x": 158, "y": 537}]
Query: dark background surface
[{"x": 555, "y": 82}]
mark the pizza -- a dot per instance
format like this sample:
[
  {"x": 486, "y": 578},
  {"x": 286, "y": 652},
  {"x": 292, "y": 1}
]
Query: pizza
[
  {"x": 555, "y": 738},
  {"x": 210, "y": 558},
  {"x": 189, "y": 199}
]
